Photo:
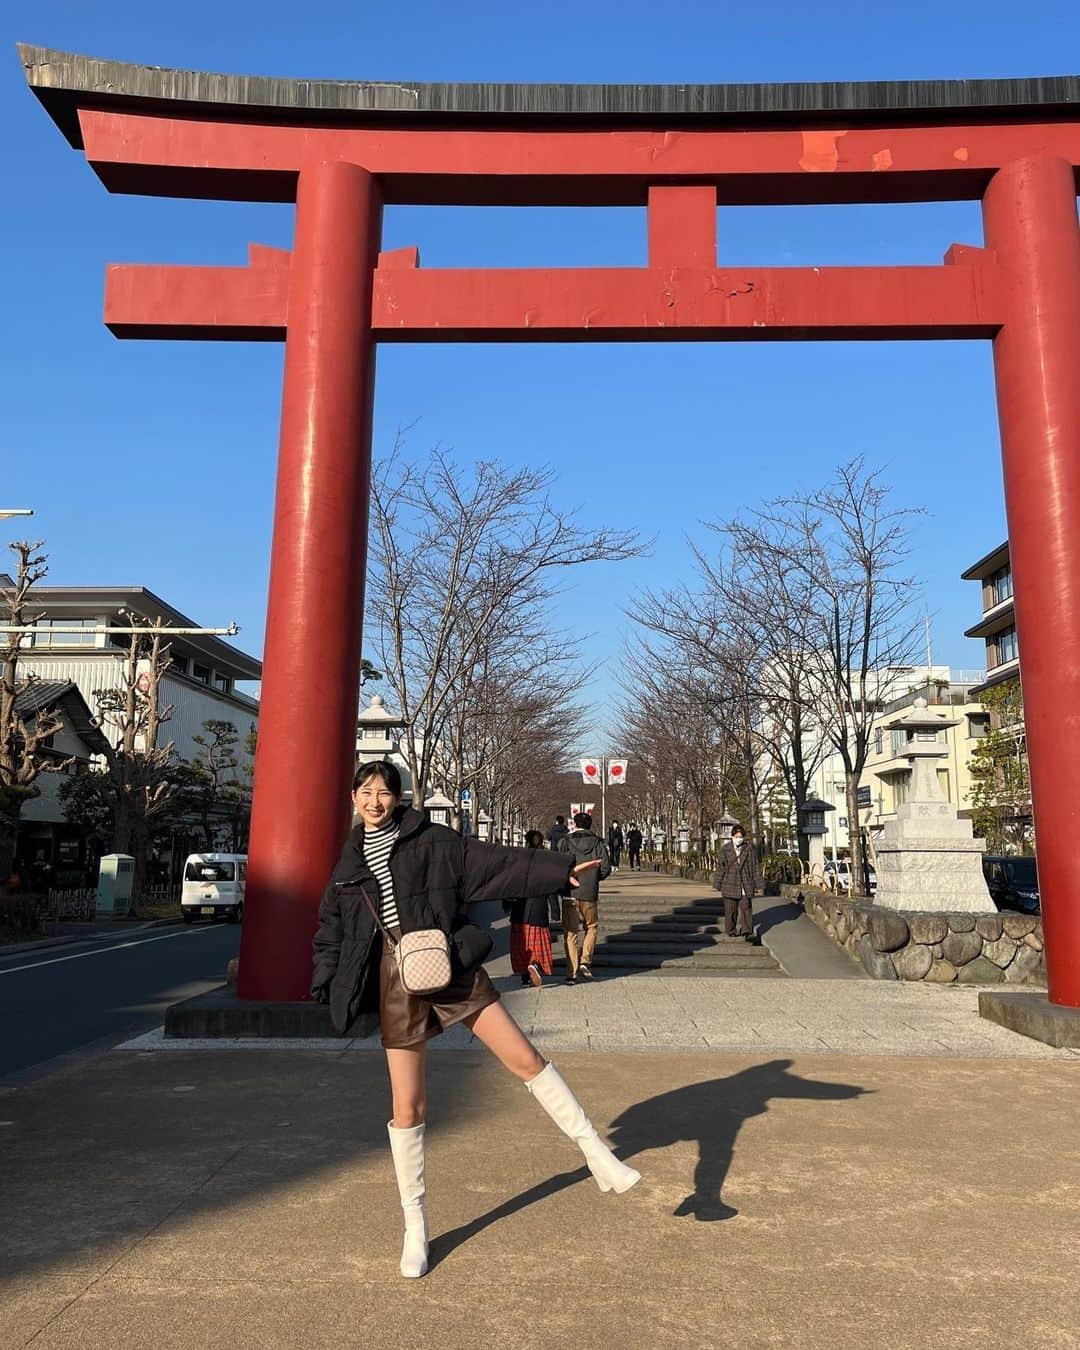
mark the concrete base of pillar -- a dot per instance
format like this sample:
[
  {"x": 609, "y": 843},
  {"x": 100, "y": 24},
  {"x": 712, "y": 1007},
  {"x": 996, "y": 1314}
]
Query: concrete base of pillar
[
  {"x": 221, "y": 1014},
  {"x": 1032, "y": 1015}
]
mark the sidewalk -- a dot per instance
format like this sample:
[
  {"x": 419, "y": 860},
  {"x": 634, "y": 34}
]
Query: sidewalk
[{"x": 193, "y": 1201}]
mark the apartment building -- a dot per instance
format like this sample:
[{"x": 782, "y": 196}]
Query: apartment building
[
  {"x": 997, "y": 627},
  {"x": 884, "y": 784}
]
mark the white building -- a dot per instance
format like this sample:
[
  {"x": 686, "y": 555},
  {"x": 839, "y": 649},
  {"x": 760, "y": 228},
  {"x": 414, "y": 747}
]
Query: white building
[
  {"x": 66, "y": 653},
  {"x": 203, "y": 683}
]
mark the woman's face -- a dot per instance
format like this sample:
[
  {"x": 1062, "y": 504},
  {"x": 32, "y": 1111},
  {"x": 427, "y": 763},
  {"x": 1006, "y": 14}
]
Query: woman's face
[
  {"x": 374, "y": 802},
  {"x": 737, "y": 837}
]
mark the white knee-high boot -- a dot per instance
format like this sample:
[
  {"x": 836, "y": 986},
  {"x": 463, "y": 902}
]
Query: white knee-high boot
[
  {"x": 407, "y": 1147},
  {"x": 565, "y": 1110}
]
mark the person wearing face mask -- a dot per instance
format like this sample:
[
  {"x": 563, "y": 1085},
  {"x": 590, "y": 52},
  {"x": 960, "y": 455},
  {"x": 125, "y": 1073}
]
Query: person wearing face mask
[{"x": 737, "y": 878}]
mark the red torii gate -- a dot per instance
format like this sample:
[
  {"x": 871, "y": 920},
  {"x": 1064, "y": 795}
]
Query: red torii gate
[{"x": 340, "y": 150}]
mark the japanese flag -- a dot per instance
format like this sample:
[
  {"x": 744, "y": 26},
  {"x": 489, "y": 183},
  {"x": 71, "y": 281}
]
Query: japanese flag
[
  {"x": 590, "y": 771},
  {"x": 616, "y": 771}
]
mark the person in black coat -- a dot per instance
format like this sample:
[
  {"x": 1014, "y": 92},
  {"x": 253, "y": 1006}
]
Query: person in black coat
[
  {"x": 633, "y": 846},
  {"x": 615, "y": 843},
  {"x": 401, "y": 873}
]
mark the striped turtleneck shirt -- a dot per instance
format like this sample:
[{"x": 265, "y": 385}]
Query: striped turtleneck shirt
[{"x": 378, "y": 845}]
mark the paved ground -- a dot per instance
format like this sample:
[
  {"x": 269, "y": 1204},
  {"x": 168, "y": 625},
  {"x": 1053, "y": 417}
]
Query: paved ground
[
  {"x": 827, "y": 1163},
  {"x": 194, "y": 1201}
]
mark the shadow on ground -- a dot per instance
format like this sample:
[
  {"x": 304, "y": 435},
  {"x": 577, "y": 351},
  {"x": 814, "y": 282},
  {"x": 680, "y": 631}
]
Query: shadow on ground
[{"x": 709, "y": 1114}]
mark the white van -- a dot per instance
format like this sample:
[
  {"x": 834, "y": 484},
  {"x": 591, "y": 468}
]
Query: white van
[{"x": 214, "y": 886}]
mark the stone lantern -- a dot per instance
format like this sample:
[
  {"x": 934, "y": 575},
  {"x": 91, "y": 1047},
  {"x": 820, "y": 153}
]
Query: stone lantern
[
  {"x": 684, "y": 837},
  {"x": 439, "y": 808},
  {"x": 812, "y": 824},
  {"x": 483, "y": 827},
  {"x": 727, "y": 823},
  {"x": 378, "y": 736},
  {"x": 927, "y": 857}
]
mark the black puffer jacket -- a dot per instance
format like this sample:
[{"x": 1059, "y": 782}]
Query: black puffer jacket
[
  {"x": 583, "y": 846},
  {"x": 436, "y": 873}
]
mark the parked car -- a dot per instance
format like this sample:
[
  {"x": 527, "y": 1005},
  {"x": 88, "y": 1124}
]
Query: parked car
[
  {"x": 1013, "y": 883},
  {"x": 842, "y": 870},
  {"x": 214, "y": 885}
]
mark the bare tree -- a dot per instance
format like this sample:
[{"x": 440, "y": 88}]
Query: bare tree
[
  {"x": 138, "y": 781},
  {"x": 25, "y": 735},
  {"x": 685, "y": 759},
  {"x": 462, "y": 561},
  {"x": 848, "y": 546}
]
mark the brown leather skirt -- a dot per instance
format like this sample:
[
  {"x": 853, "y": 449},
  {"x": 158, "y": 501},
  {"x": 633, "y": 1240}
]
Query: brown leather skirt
[{"x": 409, "y": 1019}]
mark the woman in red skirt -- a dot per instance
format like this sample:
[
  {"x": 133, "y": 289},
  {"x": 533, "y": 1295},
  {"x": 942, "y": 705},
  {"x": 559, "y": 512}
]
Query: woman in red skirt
[{"x": 530, "y": 935}]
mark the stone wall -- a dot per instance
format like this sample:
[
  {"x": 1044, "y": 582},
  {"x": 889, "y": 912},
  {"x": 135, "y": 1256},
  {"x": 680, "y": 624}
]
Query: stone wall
[{"x": 943, "y": 948}]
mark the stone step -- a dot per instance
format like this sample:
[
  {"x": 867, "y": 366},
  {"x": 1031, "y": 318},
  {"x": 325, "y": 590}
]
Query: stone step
[
  {"x": 747, "y": 958},
  {"x": 661, "y": 937},
  {"x": 708, "y": 909},
  {"x": 730, "y": 964},
  {"x": 667, "y": 923}
]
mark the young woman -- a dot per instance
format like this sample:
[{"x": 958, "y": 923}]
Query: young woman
[
  {"x": 530, "y": 932},
  {"x": 419, "y": 875}
]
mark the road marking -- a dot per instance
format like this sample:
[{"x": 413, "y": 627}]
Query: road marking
[{"x": 112, "y": 947}]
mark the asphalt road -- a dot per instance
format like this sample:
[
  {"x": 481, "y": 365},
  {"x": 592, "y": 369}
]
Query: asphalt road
[{"x": 62, "y": 1000}]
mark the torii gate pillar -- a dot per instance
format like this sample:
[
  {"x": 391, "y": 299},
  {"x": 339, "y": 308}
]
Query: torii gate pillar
[
  {"x": 1029, "y": 212},
  {"x": 317, "y": 574}
]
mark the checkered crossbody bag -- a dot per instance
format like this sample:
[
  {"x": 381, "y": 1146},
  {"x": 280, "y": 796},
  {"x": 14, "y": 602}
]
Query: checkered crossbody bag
[{"x": 423, "y": 957}]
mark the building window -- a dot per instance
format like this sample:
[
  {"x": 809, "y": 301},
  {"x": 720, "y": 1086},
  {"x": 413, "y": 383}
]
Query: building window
[
  {"x": 222, "y": 683},
  {"x": 47, "y": 632},
  {"x": 1006, "y": 646},
  {"x": 200, "y": 673},
  {"x": 878, "y": 739},
  {"x": 978, "y": 726},
  {"x": 179, "y": 665},
  {"x": 1001, "y": 587}
]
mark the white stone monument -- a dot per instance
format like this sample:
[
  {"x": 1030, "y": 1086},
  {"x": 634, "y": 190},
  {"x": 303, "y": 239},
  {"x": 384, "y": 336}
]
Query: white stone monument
[{"x": 927, "y": 858}]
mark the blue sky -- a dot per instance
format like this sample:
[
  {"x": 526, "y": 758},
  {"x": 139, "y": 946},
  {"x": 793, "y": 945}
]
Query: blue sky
[{"x": 129, "y": 451}]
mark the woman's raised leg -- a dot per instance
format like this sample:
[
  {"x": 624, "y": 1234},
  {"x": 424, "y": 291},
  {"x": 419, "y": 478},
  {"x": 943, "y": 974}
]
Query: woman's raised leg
[
  {"x": 495, "y": 1027},
  {"x": 406, "y": 1131}
]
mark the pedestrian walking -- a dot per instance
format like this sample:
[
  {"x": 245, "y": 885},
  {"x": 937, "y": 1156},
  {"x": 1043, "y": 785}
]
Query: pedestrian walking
[
  {"x": 557, "y": 833},
  {"x": 582, "y": 909},
  {"x": 530, "y": 933},
  {"x": 401, "y": 876},
  {"x": 737, "y": 879},
  {"x": 615, "y": 844},
  {"x": 634, "y": 840}
]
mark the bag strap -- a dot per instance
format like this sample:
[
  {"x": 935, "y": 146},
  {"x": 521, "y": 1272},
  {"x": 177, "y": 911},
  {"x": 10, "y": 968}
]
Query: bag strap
[{"x": 378, "y": 919}]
